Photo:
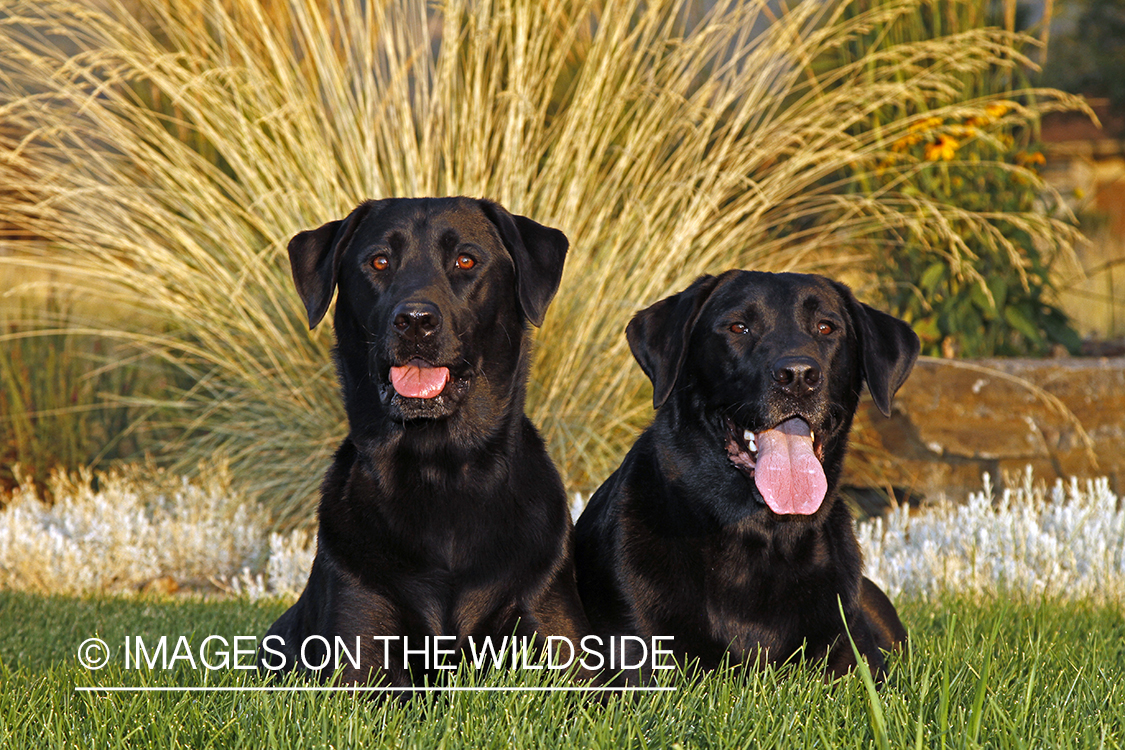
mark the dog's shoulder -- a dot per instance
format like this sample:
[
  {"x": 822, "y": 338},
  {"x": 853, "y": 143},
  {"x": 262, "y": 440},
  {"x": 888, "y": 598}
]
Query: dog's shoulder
[
  {"x": 532, "y": 462},
  {"x": 336, "y": 478},
  {"x": 620, "y": 494}
]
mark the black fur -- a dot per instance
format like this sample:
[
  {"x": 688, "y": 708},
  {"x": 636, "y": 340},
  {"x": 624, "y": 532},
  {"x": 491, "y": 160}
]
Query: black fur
[
  {"x": 678, "y": 541},
  {"x": 439, "y": 516}
]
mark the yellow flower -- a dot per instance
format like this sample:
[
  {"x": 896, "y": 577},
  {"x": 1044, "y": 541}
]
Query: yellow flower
[
  {"x": 998, "y": 109},
  {"x": 904, "y": 143},
  {"x": 1028, "y": 158},
  {"x": 944, "y": 149},
  {"x": 883, "y": 165},
  {"x": 928, "y": 124}
]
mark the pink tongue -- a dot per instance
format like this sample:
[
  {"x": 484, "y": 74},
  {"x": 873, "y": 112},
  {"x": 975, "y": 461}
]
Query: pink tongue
[
  {"x": 787, "y": 473},
  {"x": 419, "y": 380}
]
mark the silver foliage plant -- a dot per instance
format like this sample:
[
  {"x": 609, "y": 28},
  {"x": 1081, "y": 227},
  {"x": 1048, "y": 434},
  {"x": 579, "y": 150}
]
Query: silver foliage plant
[
  {"x": 1067, "y": 541},
  {"x": 141, "y": 528}
]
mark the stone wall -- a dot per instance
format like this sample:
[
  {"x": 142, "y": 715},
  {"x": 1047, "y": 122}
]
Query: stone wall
[{"x": 954, "y": 420}]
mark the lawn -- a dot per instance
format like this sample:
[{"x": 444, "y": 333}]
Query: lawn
[{"x": 993, "y": 673}]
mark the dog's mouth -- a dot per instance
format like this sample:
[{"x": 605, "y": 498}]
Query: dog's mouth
[
  {"x": 785, "y": 463},
  {"x": 419, "y": 379}
]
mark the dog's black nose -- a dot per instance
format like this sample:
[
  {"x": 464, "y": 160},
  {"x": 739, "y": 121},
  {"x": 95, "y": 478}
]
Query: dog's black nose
[
  {"x": 797, "y": 376},
  {"x": 416, "y": 320}
]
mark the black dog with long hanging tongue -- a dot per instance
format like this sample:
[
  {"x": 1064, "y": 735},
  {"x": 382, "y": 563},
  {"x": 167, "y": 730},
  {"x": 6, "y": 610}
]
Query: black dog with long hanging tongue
[{"x": 722, "y": 527}]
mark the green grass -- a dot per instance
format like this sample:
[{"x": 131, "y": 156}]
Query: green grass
[{"x": 992, "y": 674}]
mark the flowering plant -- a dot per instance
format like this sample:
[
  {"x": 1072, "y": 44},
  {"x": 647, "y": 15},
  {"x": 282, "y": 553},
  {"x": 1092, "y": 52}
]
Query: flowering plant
[{"x": 994, "y": 294}]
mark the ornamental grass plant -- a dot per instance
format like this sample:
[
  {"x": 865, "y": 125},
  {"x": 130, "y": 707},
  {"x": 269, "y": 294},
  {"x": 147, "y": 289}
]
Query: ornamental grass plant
[
  {"x": 164, "y": 153},
  {"x": 58, "y": 388}
]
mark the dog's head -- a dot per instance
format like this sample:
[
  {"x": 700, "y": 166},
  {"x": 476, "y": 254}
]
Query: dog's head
[
  {"x": 773, "y": 364},
  {"x": 434, "y": 299}
]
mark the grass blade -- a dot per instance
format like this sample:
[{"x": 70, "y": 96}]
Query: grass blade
[{"x": 874, "y": 703}]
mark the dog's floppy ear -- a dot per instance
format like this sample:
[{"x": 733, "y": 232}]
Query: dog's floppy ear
[
  {"x": 658, "y": 335},
  {"x": 315, "y": 255},
  {"x": 888, "y": 347},
  {"x": 538, "y": 253}
]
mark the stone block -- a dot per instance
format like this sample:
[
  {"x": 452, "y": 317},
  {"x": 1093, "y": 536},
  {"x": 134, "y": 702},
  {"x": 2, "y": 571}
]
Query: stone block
[{"x": 955, "y": 420}]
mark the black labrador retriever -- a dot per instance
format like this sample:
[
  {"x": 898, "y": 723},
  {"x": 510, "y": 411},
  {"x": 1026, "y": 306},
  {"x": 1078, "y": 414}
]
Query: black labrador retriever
[
  {"x": 442, "y": 518},
  {"x": 722, "y": 528}
]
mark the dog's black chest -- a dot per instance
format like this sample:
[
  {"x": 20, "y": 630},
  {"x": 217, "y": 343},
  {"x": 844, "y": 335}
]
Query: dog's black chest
[
  {"x": 430, "y": 534},
  {"x": 758, "y": 593}
]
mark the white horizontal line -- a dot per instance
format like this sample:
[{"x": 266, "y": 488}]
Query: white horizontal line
[{"x": 366, "y": 689}]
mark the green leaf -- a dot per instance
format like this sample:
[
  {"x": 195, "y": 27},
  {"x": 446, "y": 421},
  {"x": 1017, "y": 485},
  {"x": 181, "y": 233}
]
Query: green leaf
[
  {"x": 1018, "y": 319},
  {"x": 1059, "y": 330},
  {"x": 981, "y": 302},
  {"x": 998, "y": 285},
  {"x": 927, "y": 329},
  {"x": 932, "y": 276}
]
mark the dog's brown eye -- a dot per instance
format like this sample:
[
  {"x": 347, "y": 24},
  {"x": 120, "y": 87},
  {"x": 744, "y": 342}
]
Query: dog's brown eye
[
  {"x": 380, "y": 262},
  {"x": 465, "y": 262},
  {"x": 738, "y": 328},
  {"x": 824, "y": 328}
]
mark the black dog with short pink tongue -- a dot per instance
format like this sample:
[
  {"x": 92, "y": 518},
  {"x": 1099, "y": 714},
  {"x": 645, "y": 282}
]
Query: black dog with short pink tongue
[
  {"x": 722, "y": 527},
  {"x": 441, "y": 516}
]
